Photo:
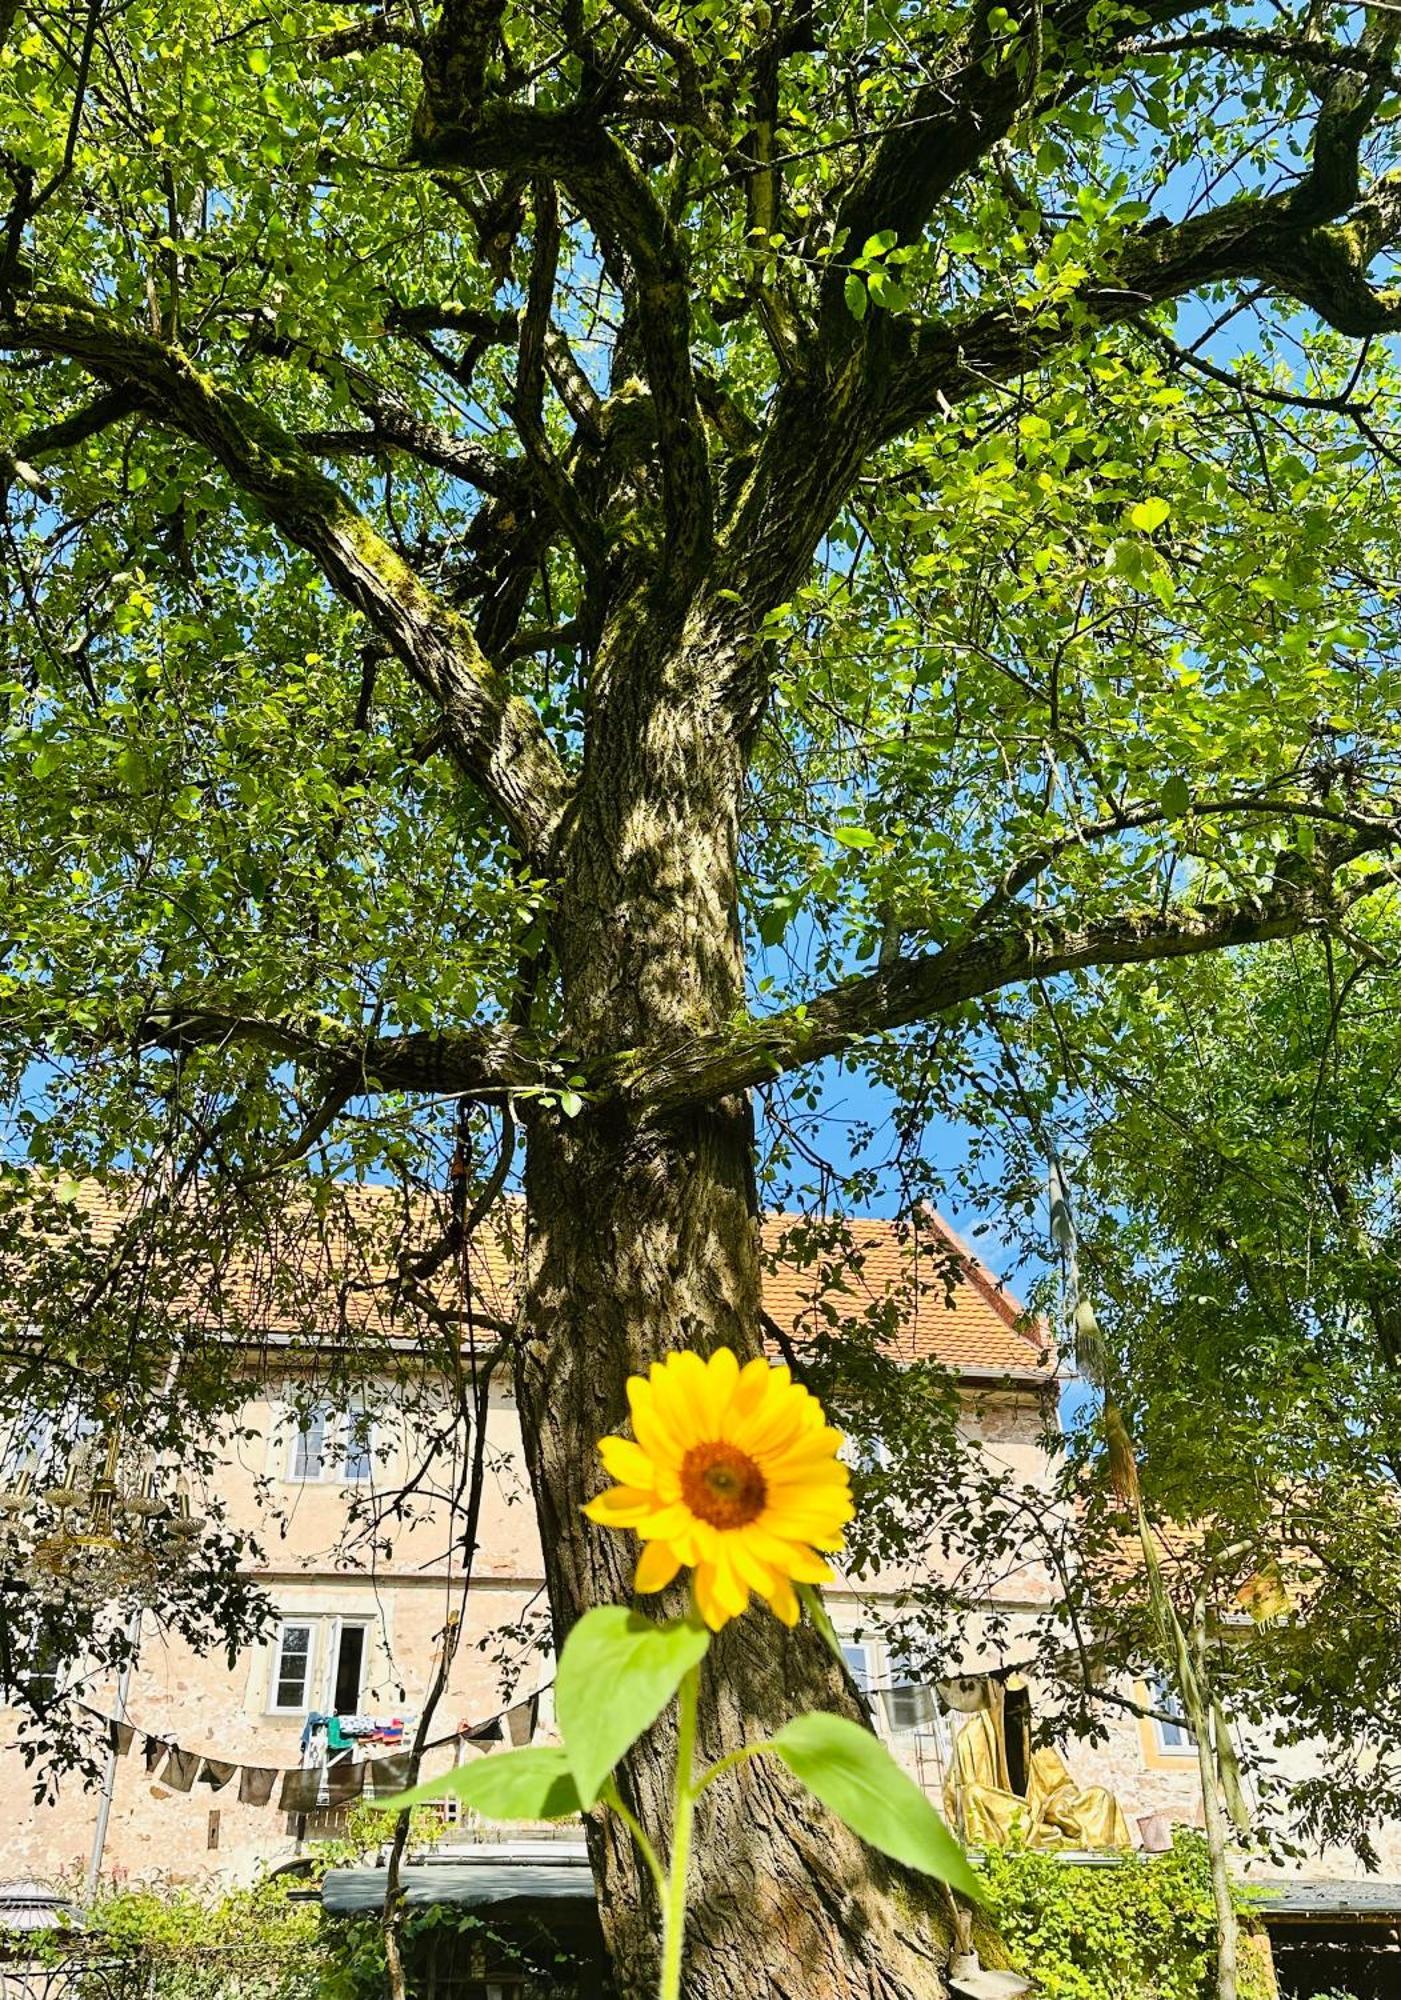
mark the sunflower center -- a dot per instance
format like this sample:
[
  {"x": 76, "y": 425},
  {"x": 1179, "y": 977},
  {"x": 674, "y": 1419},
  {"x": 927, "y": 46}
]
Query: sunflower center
[{"x": 722, "y": 1485}]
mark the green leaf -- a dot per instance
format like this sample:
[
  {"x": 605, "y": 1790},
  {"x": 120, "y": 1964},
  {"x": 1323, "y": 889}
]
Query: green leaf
[
  {"x": 616, "y": 1674},
  {"x": 570, "y": 1103},
  {"x": 811, "y": 1601},
  {"x": 1175, "y": 798},
  {"x": 855, "y": 294},
  {"x": 853, "y": 836},
  {"x": 511, "y": 1784},
  {"x": 856, "y": 1777},
  {"x": 1149, "y": 514}
]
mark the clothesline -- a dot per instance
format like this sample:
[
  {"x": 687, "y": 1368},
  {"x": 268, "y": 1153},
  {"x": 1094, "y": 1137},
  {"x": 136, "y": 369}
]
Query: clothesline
[{"x": 341, "y": 1779}]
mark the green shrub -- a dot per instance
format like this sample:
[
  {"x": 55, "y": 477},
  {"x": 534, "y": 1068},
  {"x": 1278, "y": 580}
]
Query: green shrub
[
  {"x": 256, "y": 1943},
  {"x": 1143, "y": 1929}
]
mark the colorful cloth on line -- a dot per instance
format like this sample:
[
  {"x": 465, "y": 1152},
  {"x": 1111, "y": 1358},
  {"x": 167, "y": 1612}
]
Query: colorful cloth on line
[{"x": 314, "y": 1722}]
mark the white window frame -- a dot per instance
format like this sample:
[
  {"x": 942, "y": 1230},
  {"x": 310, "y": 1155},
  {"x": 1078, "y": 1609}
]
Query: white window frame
[
  {"x": 324, "y": 1631},
  {"x": 335, "y": 1456},
  {"x": 1162, "y": 1696},
  {"x": 310, "y": 1625},
  {"x": 860, "y": 1671}
]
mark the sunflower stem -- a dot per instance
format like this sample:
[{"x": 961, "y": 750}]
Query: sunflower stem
[{"x": 674, "y": 1915}]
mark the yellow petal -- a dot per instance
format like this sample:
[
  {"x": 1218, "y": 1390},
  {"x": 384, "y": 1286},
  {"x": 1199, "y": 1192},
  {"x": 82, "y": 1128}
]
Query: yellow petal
[
  {"x": 747, "y": 1563},
  {"x": 775, "y": 1424},
  {"x": 721, "y": 1375},
  {"x": 788, "y": 1558},
  {"x": 663, "y": 1524},
  {"x": 656, "y": 1566},
  {"x": 707, "y": 1602},
  {"x": 653, "y": 1432},
  {"x": 621, "y": 1507},
  {"x": 730, "y": 1588},
  {"x": 628, "y": 1463},
  {"x": 783, "y": 1601},
  {"x": 679, "y": 1385},
  {"x": 753, "y": 1386}
]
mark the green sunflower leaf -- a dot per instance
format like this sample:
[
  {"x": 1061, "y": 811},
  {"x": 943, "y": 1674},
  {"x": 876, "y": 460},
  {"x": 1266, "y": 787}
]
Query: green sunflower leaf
[
  {"x": 616, "y": 1674},
  {"x": 512, "y": 1784},
  {"x": 856, "y": 1777},
  {"x": 811, "y": 1601}
]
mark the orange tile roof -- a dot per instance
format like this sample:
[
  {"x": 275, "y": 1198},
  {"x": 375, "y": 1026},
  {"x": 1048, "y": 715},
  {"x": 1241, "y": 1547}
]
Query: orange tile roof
[{"x": 918, "y": 1289}]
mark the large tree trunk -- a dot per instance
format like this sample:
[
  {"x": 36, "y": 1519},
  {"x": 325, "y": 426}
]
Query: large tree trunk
[{"x": 643, "y": 1239}]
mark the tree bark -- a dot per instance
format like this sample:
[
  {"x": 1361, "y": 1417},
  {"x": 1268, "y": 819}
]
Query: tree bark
[{"x": 642, "y": 1238}]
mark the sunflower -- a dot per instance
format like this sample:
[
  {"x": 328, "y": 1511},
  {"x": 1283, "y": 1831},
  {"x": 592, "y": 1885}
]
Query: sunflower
[{"x": 735, "y": 1472}]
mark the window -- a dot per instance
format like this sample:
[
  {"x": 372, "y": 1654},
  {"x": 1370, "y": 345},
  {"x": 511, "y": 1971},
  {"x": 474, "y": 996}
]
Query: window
[
  {"x": 320, "y": 1664},
  {"x": 347, "y": 1671},
  {"x": 871, "y": 1454},
  {"x": 45, "y": 1441},
  {"x": 1172, "y": 1736},
  {"x": 332, "y": 1445},
  {"x": 858, "y": 1659},
  {"x": 42, "y": 1676},
  {"x": 309, "y": 1445},
  {"x": 909, "y": 1704},
  {"x": 291, "y": 1674},
  {"x": 357, "y": 1445}
]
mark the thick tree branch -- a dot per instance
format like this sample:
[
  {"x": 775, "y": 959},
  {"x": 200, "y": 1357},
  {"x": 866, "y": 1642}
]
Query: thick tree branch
[
  {"x": 393, "y": 426},
  {"x": 495, "y": 738},
  {"x": 987, "y": 78},
  {"x": 76, "y": 428},
  {"x": 454, "y": 129},
  {"x": 485, "y": 1062},
  {"x": 529, "y": 405},
  {"x": 1321, "y": 264},
  {"x": 916, "y": 989}
]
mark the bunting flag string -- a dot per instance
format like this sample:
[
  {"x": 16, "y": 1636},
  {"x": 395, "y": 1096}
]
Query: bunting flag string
[{"x": 337, "y": 1778}]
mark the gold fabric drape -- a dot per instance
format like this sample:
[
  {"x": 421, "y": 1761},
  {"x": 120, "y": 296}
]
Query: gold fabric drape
[
  {"x": 981, "y": 1803},
  {"x": 1066, "y": 1816}
]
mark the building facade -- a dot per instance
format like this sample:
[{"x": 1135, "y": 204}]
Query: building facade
[{"x": 362, "y": 1565}]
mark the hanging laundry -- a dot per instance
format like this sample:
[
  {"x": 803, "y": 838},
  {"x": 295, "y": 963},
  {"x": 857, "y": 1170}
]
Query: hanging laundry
[
  {"x": 153, "y": 1749},
  {"x": 314, "y": 1723},
  {"x": 344, "y": 1781},
  {"x": 120, "y": 1737},
  {"x": 390, "y": 1774},
  {"x": 336, "y": 1738},
  {"x": 481, "y": 1732},
  {"x": 300, "y": 1791},
  {"x": 180, "y": 1769},
  {"x": 255, "y": 1784},
  {"x": 523, "y": 1720},
  {"x": 215, "y": 1773}
]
